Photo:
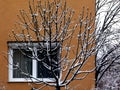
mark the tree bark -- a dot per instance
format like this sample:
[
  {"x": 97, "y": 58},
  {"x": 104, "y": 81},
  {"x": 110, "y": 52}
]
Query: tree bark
[{"x": 57, "y": 87}]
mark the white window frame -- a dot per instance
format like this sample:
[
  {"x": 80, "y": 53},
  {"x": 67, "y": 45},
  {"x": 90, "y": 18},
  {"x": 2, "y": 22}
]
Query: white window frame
[{"x": 14, "y": 45}]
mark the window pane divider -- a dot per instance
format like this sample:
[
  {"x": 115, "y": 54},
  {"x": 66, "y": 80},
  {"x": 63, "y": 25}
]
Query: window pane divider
[{"x": 34, "y": 67}]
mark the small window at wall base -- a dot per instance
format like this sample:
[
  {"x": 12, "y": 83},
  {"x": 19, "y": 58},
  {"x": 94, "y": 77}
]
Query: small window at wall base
[{"x": 33, "y": 61}]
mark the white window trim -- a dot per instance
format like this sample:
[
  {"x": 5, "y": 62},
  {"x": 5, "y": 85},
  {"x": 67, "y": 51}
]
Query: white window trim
[{"x": 34, "y": 68}]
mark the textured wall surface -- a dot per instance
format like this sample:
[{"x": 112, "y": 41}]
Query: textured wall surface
[{"x": 8, "y": 16}]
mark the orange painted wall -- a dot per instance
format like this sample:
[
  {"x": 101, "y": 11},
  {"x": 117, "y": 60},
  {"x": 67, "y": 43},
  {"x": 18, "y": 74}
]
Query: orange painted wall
[{"x": 8, "y": 11}]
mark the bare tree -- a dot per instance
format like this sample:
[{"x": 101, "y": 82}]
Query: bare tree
[
  {"x": 65, "y": 47},
  {"x": 107, "y": 23}
]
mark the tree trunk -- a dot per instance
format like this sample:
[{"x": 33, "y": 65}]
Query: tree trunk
[{"x": 57, "y": 87}]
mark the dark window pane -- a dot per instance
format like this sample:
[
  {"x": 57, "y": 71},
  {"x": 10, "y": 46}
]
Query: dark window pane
[
  {"x": 47, "y": 62},
  {"x": 21, "y": 58}
]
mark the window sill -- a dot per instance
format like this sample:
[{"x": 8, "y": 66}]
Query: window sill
[{"x": 19, "y": 80}]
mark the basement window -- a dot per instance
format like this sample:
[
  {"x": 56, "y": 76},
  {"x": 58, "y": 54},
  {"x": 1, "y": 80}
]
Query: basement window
[{"x": 33, "y": 61}]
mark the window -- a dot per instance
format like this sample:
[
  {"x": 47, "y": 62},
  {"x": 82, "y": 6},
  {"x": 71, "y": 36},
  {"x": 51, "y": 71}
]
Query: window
[{"x": 31, "y": 61}]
